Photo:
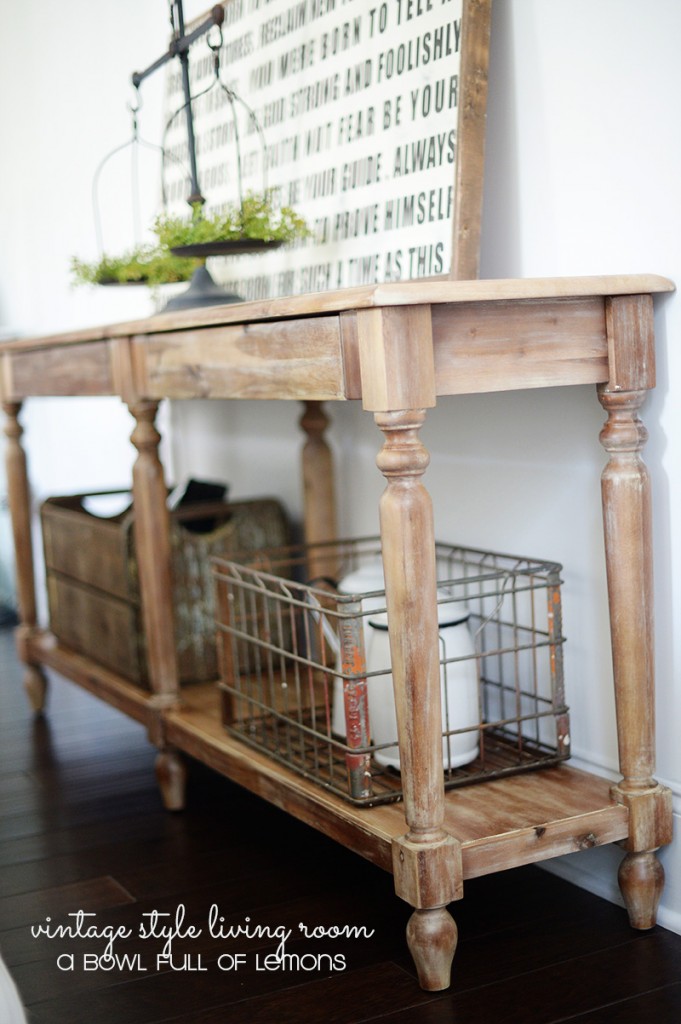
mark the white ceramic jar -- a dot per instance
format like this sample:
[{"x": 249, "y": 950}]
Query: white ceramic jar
[{"x": 458, "y": 679}]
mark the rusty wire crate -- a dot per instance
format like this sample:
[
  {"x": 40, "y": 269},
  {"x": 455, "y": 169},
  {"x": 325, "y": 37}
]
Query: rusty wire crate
[{"x": 305, "y": 665}]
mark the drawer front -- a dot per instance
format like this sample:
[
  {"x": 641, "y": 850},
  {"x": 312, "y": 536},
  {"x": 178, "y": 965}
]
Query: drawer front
[
  {"x": 499, "y": 346},
  {"x": 288, "y": 359},
  {"x": 79, "y": 369}
]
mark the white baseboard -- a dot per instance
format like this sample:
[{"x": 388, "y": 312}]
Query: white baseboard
[
  {"x": 605, "y": 885},
  {"x": 602, "y": 883},
  {"x": 596, "y": 870},
  {"x": 608, "y": 770}
]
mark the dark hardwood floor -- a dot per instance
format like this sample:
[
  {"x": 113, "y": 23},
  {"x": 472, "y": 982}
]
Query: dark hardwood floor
[{"x": 81, "y": 828}]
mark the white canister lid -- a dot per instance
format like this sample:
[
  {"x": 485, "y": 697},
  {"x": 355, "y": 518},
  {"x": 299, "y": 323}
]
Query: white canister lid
[
  {"x": 449, "y": 613},
  {"x": 369, "y": 578},
  {"x": 366, "y": 579}
]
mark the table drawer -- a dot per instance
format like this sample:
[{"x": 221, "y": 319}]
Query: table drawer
[
  {"x": 79, "y": 369},
  {"x": 288, "y": 359}
]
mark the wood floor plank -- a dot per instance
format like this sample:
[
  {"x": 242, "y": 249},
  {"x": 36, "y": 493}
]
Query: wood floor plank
[
  {"x": 363, "y": 995},
  {"x": 661, "y": 1005},
  {"x": 156, "y": 864},
  {"x": 91, "y": 896},
  {"x": 529, "y": 946},
  {"x": 578, "y": 985},
  {"x": 70, "y": 840},
  {"x": 202, "y": 999},
  {"x": 46, "y": 816},
  {"x": 261, "y": 900}
]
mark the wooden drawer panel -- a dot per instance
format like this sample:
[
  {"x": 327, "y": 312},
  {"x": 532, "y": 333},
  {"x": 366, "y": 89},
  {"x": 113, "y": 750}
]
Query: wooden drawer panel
[
  {"x": 288, "y": 359},
  {"x": 83, "y": 369},
  {"x": 498, "y": 346}
]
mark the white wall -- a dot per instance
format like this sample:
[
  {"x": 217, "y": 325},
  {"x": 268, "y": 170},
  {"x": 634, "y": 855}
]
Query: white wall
[
  {"x": 584, "y": 142},
  {"x": 64, "y": 86},
  {"x": 583, "y": 147}
]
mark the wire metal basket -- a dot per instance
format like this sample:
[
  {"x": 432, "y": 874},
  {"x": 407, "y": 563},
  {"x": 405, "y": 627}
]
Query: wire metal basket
[{"x": 305, "y": 664}]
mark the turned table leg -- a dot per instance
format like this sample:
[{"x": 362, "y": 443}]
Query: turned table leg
[
  {"x": 152, "y": 546},
  {"x": 426, "y": 861},
  {"x": 398, "y": 383},
  {"x": 627, "y": 525},
  {"x": 171, "y": 776},
  {"x": 19, "y": 499},
  {"x": 319, "y": 499}
]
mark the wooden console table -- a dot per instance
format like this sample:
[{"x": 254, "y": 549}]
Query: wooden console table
[{"x": 397, "y": 348}]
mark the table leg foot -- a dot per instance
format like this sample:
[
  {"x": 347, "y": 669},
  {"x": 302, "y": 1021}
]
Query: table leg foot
[
  {"x": 432, "y": 936},
  {"x": 35, "y": 685},
  {"x": 171, "y": 776},
  {"x": 641, "y": 879}
]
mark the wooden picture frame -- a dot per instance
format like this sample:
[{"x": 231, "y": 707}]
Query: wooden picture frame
[
  {"x": 470, "y": 162},
  {"x": 373, "y": 121}
]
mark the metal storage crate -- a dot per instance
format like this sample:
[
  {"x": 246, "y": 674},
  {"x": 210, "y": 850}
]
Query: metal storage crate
[{"x": 293, "y": 654}]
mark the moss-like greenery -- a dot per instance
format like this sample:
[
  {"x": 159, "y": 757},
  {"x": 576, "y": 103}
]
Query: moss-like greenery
[
  {"x": 149, "y": 265},
  {"x": 255, "y": 218}
]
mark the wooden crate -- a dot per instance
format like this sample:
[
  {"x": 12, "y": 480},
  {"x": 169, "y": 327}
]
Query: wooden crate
[{"x": 93, "y": 588}]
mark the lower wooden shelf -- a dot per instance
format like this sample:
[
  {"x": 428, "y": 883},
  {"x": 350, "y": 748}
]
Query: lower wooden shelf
[
  {"x": 500, "y": 824},
  {"x": 113, "y": 689}
]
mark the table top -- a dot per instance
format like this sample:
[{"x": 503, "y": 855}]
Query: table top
[
  {"x": 403, "y": 293},
  {"x": 393, "y": 346}
]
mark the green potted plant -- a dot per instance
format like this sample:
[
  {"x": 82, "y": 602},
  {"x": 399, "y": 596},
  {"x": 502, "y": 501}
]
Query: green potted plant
[
  {"x": 147, "y": 264},
  {"x": 253, "y": 225},
  {"x": 254, "y": 220}
]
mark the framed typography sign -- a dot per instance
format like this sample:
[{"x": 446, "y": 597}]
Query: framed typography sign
[{"x": 366, "y": 116}]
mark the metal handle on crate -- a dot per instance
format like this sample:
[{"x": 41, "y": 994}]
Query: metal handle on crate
[{"x": 330, "y": 635}]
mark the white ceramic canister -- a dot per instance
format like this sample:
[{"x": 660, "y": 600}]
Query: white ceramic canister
[{"x": 459, "y": 679}]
